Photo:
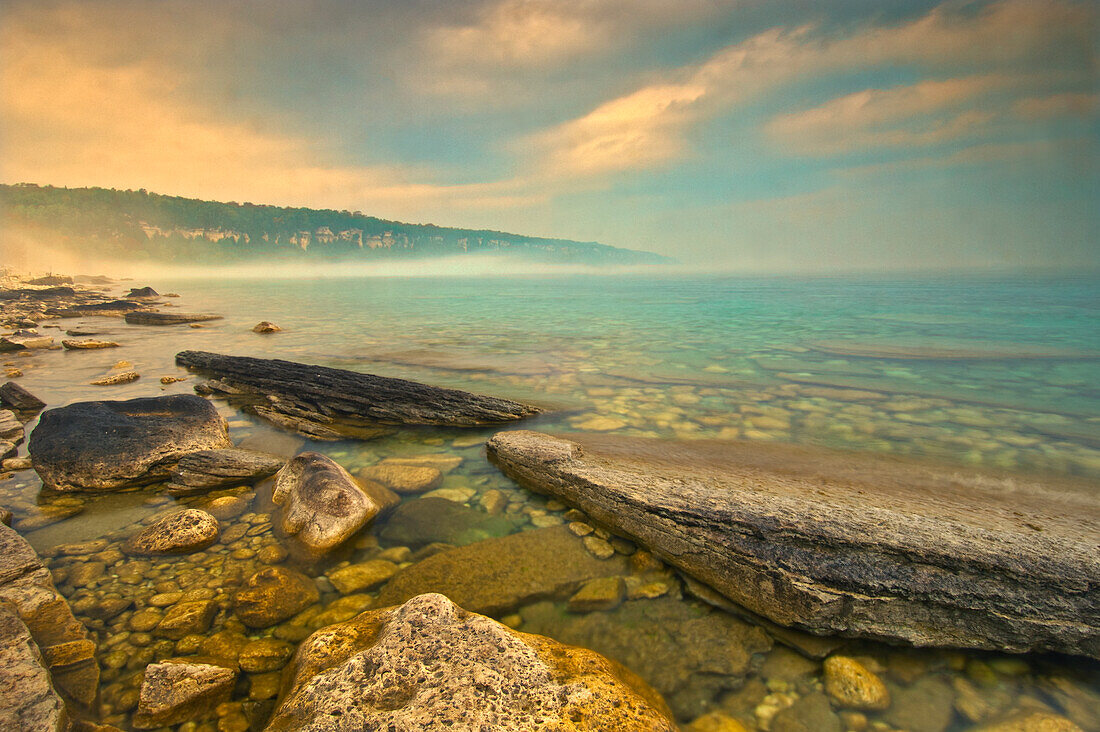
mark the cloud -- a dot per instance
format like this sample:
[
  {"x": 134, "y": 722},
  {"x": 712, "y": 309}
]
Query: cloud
[
  {"x": 1012, "y": 32},
  {"x": 1058, "y": 105},
  {"x": 77, "y": 118},
  {"x": 920, "y": 114}
]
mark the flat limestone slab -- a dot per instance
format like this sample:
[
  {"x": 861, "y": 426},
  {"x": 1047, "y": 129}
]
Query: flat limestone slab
[
  {"x": 844, "y": 544},
  {"x": 330, "y": 403}
]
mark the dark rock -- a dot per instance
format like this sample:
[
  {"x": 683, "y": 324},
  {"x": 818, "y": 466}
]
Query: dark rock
[
  {"x": 172, "y": 693},
  {"x": 274, "y": 594},
  {"x": 141, "y": 317},
  {"x": 208, "y": 469},
  {"x": 322, "y": 505},
  {"x": 690, "y": 654},
  {"x": 265, "y": 326},
  {"x": 334, "y": 403},
  {"x": 498, "y": 575},
  {"x": 110, "y": 307},
  {"x": 182, "y": 532},
  {"x": 429, "y": 664},
  {"x": 431, "y": 519},
  {"x": 99, "y": 446},
  {"x": 844, "y": 544},
  {"x": 142, "y": 292}
]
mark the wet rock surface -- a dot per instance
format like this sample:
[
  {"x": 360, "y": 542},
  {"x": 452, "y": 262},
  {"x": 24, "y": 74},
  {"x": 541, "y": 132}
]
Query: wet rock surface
[
  {"x": 410, "y": 668},
  {"x": 151, "y": 318},
  {"x": 208, "y": 469},
  {"x": 322, "y": 505},
  {"x": 28, "y": 701},
  {"x": 179, "y": 533},
  {"x": 840, "y": 544},
  {"x": 181, "y": 692},
  {"x": 273, "y": 595},
  {"x": 326, "y": 402},
  {"x": 19, "y": 400},
  {"x": 688, "y": 653},
  {"x": 101, "y": 446},
  {"x": 27, "y": 588},
  {"x": 498, "y": 575},
  {"x": 430, "y": 519}
]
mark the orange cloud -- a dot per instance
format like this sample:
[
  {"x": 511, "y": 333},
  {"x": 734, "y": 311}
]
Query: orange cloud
[{"x": 1046, "y": 32}]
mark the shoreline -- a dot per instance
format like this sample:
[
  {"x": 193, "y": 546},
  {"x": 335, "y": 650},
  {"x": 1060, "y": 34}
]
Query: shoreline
[{"x": 468, "y": 488}]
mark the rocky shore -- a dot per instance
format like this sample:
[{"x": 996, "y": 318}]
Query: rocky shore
[{"x": 313, "y": 548}]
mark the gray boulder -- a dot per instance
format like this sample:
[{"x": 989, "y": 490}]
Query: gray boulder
[
  {"x": 322, "y": 505},
  {"x": 208, "y": 469},
  {"x": 101, "y": 446},
  {"x": 430, "y": 665},
  {"x": 844, "y": 544}
]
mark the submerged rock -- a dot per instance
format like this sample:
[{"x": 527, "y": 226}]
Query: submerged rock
[
  {"x": 844, "y": 544},
  {"x": 208, "y": 469},
  {"x": 142, "y": 317},
  {"x": 274, "y": 594},
  {"x": 329, "y": 403},
  {"x": 265, "y": 326},
  {"x": 690, "y": 654},
  {"x": 101, "y": 446},
  {"x": 429, "y": 664},
  {"x": 404, "y": 478},
  {"x": 498, "y": 575},
  {"x": 322, "y": 504},
  {"x": 182, "y": 532},
  {"x": 172, "y": 693},
  {"x": 430, "y": 519}
]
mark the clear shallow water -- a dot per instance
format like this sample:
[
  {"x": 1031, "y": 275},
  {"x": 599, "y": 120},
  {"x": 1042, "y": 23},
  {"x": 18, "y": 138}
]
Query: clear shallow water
[{"x": 674, "y": 358}]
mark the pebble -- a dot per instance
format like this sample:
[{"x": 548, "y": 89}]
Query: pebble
[
  {"x": 598, "y": 547},
  {"x": 853, "y": 685}
]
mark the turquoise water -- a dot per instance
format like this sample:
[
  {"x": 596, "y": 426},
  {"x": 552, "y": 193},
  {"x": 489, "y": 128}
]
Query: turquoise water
[
  {"x": 822, "y": 361},
  {"x": 706, "y": 357}
]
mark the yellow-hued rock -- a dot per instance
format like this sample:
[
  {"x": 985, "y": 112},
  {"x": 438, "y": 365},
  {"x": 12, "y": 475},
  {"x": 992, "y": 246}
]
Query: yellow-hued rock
[{"x": 853, "y": 685}]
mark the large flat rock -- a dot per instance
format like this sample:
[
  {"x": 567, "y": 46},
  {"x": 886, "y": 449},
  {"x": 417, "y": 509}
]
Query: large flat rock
[
  {"x": 333, "y": 403},
  {"x": 102, "y": 446},
  {"x": 846, "y": 544},
  {"x": 29, "y": 700},
  {"x": 498, "y": 575}
]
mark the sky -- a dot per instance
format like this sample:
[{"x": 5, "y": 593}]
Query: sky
[{"x": 748, "y": 135}]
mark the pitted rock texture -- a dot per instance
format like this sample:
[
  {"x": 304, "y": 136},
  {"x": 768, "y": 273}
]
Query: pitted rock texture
[
  {"x": 101, "y": 446},
  {"x": 26, "y": 587},
  {"x": 28, "y": 701},
  {"x": 838, "y": 543},
  {"x": 208, "y": 469},
  {"x": 182, "y": 532},
  {"x": 322, "y": 504},
  {"x": 329, "y": 403},
  {"x": 430, "y": 665}
]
